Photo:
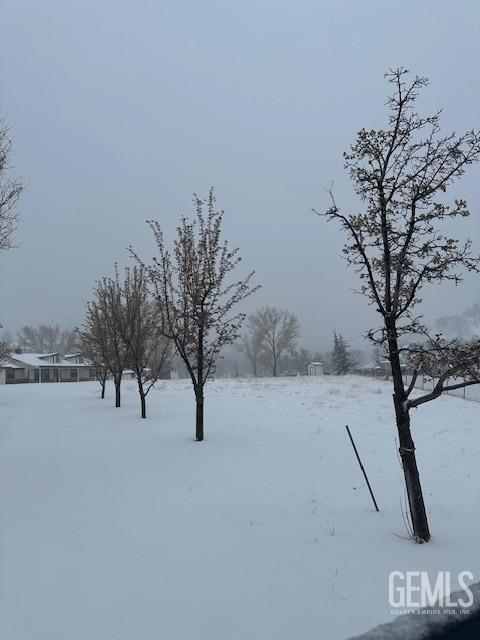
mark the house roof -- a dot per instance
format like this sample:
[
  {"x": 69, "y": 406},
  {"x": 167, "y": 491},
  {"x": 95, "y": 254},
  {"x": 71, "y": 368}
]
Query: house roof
[
  {"x": 32, "y": 359},
  {"x": 10, "y": 365},
  {"x": 37, "y": 360}
]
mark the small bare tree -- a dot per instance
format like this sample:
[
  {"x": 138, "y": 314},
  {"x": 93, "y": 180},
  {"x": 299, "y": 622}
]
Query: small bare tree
[
  {"x": 103, "y": 325},
  {"x": 91, "y": 341},
  {"x": 149, "y": 351},
  {"x": 396, "y": 247},
  {"x": 10, "y": 190},
  {"x": 194, "y": 297},
  {"x": 279, "y": 330}
]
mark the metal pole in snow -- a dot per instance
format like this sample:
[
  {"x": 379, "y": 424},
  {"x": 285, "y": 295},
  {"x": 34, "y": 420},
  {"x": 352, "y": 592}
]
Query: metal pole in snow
[{"x": 361, "y": 467}]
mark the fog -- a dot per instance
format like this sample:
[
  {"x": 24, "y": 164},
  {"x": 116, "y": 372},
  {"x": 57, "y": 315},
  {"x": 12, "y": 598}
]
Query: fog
[{"x": 121, "y": 110}]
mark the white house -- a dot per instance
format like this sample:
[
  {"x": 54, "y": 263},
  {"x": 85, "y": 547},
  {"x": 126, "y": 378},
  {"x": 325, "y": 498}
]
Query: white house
[{"x": 44, "y": 367}]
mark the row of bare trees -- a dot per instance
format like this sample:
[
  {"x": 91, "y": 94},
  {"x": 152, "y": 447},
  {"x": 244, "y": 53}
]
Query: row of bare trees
[
  {"x": 184, "y": 300},
  {"x": 121, "y": 332}
]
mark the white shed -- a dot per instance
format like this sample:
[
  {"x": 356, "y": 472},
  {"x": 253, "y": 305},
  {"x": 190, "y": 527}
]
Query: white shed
[{"x": 315, "y": 369}]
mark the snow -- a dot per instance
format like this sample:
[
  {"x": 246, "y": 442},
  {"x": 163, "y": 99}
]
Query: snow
[{"x": 118, "y": 528}]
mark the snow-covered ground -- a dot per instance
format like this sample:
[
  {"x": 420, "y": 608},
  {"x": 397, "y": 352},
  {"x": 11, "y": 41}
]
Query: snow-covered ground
[{"x": 114, "y": 528}]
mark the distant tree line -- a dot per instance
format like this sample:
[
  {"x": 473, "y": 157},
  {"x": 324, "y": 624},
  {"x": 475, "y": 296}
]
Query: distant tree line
[{"x": 46, "y": 338}]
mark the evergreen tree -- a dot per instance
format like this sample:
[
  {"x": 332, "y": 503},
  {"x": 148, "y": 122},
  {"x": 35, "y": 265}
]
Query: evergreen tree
[{"x": 341, "y": 358}]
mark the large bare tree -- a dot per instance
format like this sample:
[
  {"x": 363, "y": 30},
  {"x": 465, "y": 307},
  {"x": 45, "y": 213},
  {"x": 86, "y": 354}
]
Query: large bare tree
[
  {"x": 396, "y": 245},
  {"x": 196, "y": 295},
  {"x": 279, "y": 331},
  {"x": 10, "y": 189}
]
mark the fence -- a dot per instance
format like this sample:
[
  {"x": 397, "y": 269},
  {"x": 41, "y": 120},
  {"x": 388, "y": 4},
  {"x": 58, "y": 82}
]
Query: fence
[{"x": 425, "y": 383}]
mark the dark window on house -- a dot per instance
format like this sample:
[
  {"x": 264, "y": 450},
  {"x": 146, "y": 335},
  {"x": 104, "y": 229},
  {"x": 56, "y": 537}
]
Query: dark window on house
[
  {"x": 73, "y": 373},
  {"x": 10, "y": 374}
]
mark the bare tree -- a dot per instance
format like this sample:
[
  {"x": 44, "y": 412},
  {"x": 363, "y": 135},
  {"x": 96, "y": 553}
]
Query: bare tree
[
  {"x": 396, "y": 246},
  {"x": 103, "y": 325},
  {"x": 279, "y": 330},
  {"x": 251, "y": 344},
  {"x": 47, "y": 339},
  {"x": 194, "y": 296},
  {"x": 5, "y": 350},
  {"x": 10, "y": 190},
  {"x": 149, "y": 351},
  {"x": 91, "y": 341}
]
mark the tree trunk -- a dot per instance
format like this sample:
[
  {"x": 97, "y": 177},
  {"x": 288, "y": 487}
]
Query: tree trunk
[
  {"x": 103, "y": 383},
  {"x": 199, "y": 388},
  {"x": 118, "y": 382},
  {"x": 412, "y": 477},
  {"x": 141, "y": 392},
  {"x": 416, "y": 504},
  {"x": 199, "y": 417}
]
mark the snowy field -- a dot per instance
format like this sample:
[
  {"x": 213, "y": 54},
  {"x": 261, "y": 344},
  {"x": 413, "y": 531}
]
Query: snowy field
[{"x": 114, "y": 528}]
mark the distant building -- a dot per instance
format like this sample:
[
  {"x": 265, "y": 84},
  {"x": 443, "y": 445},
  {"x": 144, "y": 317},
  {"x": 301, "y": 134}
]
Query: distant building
[
  {"x": 44, "y": 367},
  {"x": 315, "y": 369}
]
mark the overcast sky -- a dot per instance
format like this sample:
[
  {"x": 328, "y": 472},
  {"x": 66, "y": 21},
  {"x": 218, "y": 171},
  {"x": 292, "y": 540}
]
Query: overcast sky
[{"x": 120, "y": 110}]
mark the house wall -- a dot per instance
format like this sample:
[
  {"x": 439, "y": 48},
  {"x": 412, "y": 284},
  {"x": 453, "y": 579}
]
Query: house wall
[
  {"x": 13, "y": 376},
  {"x": 86, "y": 374},
  {"x": 21, "y": 375},
  {"x": 68, "y": 375},
  {"x": 49, "y": 374}
]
